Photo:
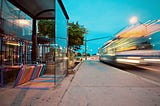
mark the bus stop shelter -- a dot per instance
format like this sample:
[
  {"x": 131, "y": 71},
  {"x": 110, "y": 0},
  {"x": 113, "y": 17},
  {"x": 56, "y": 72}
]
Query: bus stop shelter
[
  {"x": 39, "y": 9},
  {"x": 52, "y": 10}
]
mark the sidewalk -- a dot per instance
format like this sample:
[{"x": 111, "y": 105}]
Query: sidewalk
[
  {"x": 97, "y": 84},
  {"x": 94, "y": 84},
  {"x": 34, "y": 97}
]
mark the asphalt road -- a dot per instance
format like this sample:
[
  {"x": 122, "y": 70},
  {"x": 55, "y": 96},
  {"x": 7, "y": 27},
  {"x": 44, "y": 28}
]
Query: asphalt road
[{"x": 149, "y": 71}]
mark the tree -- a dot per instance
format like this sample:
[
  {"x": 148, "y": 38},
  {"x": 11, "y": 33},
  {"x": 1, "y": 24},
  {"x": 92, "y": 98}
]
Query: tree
[
  {"x": 79, "y": 54},
  {"x": 76, "y": 35},
  {"x": 46, "y": 28}
]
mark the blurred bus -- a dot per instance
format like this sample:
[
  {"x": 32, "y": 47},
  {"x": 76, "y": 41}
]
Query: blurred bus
[{"x": 137, "y": 44}]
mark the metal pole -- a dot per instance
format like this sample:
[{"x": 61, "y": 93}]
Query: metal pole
[
  {"x": 1, "y": 38},
  {"x": 67, "y": 50},
  {"x": 91, "y": 40},
  {"x": 34, "y": 41},
  {"x": 55, "y": 35},
  {"x": 85, "y": 49}
]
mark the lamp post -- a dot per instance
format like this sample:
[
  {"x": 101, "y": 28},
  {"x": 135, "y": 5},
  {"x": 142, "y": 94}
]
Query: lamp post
[{"x": 85, "y": 49}]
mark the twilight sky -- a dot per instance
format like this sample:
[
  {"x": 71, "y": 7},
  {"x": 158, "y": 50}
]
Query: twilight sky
[{"x": 106, "y": 17}]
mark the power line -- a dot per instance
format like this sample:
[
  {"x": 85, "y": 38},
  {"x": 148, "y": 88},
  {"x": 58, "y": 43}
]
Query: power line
[{"x": 97, "y": 38}]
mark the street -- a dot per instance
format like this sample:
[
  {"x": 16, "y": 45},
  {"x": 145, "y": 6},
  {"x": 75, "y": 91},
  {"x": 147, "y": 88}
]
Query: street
[
  {"x": 58, "y": 53},
  {"x": 149, "y": 71},
  {"x": 94, "y": 84}
]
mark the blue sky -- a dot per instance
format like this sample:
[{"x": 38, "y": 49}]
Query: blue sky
[{"x": 106, "y": 17}]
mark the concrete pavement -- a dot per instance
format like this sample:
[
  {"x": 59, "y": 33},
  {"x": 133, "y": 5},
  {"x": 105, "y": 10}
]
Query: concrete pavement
[
  {"x": 20, "y": 97},
  {"x": 97, "y": 84},
  {"x": 94, "y": 84}
]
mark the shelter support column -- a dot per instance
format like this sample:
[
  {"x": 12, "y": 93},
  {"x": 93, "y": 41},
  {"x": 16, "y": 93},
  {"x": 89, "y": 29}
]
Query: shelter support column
[{"x": 34, "y": 41}]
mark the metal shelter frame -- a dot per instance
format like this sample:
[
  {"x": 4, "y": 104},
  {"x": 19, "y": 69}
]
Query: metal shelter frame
[{"x": 38, "y": 9}]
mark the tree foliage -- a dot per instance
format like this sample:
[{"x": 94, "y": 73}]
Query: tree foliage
[
  {"x": 46, "y": 28},
  {"x": 79, "y": 54},
  {"x": 76, "y": 35},
  {"x": 75, "y": 31}
]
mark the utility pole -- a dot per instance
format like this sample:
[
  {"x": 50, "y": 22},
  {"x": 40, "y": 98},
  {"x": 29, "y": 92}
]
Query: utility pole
[
  {"x": 85, "y": 49},
  {"x": 92, "y": 40}
]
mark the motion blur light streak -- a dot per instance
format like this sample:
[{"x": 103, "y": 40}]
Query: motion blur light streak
[
  {"x": 139, "y": 30},
  {"x": 134, "y": 57},
  {"x": 128, "y": 60},
  {"x": 136, "y": 44},
  {"x": 156, "y": 60}
]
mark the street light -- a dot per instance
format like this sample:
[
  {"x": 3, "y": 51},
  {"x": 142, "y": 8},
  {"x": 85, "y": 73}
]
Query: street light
[{"x": 133, "y": 20}]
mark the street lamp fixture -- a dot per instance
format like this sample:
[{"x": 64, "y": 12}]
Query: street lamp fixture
[{"x": 133, "y": 20}]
